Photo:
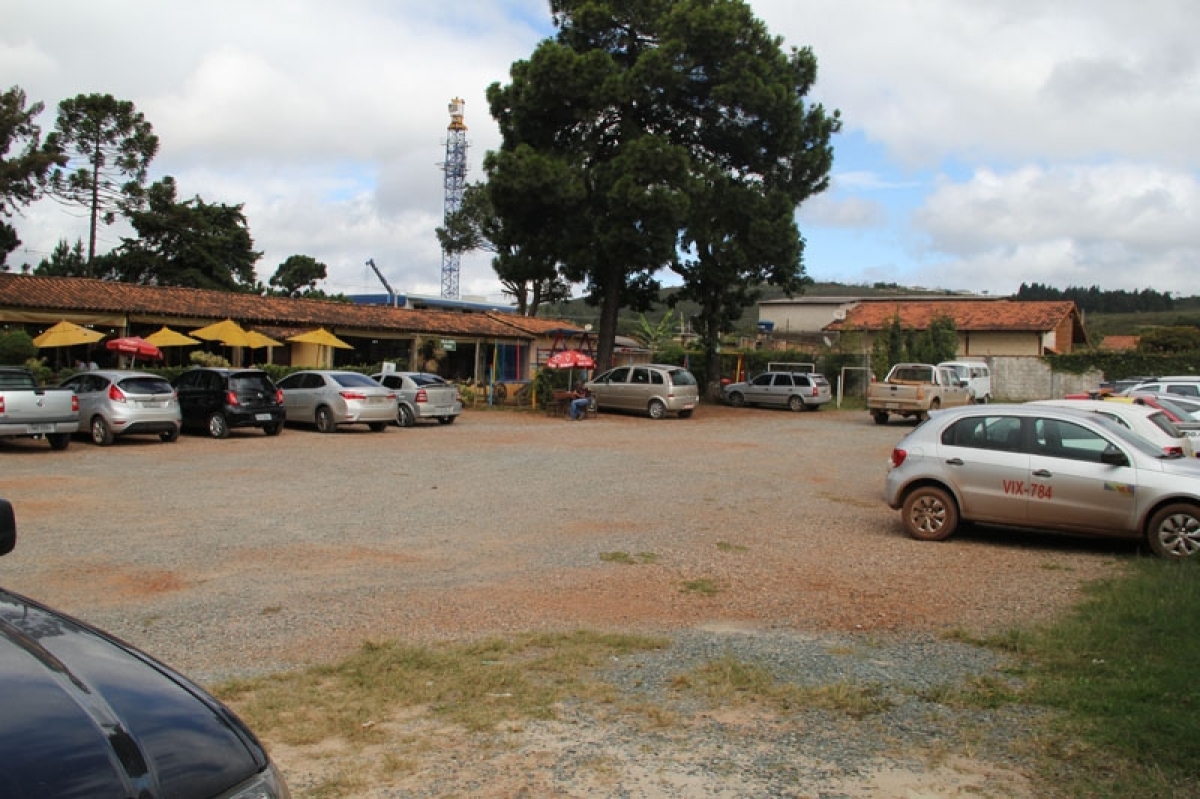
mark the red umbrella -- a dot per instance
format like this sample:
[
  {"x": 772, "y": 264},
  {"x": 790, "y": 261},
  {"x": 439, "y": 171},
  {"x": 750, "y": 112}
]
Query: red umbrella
[
  {"x": 136, "y": 346},
  {"x": 570, "y": 359}
]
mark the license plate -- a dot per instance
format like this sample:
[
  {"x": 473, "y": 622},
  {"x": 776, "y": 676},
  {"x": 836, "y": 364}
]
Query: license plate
[
  {"x": 445, "y": 409},
  {"x": 688, "y": 407},
  {"x": 153, "y": 404},
  {"x": 41, "y": 428},
  {"x": 262, "y": 417}
]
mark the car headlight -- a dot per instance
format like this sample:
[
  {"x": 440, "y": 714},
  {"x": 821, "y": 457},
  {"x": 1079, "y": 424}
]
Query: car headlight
[{"x": 266, "y": 784}]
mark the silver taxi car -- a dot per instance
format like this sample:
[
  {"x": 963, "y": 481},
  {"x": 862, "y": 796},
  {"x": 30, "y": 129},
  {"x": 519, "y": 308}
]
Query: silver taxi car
[{"x": 1043, "y": 467}]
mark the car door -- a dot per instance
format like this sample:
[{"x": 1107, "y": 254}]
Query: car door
[
  {"x": 1070, "y": 488},
  {"x": 87, "y": 389},
  {"x": 758, "y": 389},
  {"x": 985, "y": 459},
  {"x": 610, "y": 387}
]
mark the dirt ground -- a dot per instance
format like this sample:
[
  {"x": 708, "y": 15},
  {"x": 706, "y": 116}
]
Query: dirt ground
[{"x": 253, "y": 554}]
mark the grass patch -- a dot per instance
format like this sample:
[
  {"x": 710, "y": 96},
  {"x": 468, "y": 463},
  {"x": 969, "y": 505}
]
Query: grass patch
[
  {"x": 475, "y": 685},
  {"x": 725, "y": 546},
  {"x": 628, "y": 559},
  {"x": 1121, "y": 669},
  {"x": 703, "y": 586}
]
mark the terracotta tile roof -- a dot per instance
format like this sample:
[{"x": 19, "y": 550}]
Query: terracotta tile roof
[
  {"x": 1120, "y": 342},
  {"x": 200, "y": 307},
  {"x": 968, "y": 315}
]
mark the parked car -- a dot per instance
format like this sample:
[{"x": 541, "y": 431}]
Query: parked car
[
  {"x": 28, "y": 410},
  {"x": 1148, "y": 422},
  {"x": 114, "y": 402},
  {"x": 330, "y": 398},
  {"x": 422, "y": 395},
  {"x": 1044, "y": 467},
  {"x": 1186, "y": 385},
  {"x": 87, "y": 715},
  {"x": 797, "y": 391},
  {"x": 217, "y": 400},
  {"x": 652, "y": 389}
]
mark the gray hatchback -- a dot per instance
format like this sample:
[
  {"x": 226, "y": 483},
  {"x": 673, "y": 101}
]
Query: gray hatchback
[
  {"x": 115, "y": 402},
  {"x": 1041, "y": 466},
  {"x": 651, "y": 388}
]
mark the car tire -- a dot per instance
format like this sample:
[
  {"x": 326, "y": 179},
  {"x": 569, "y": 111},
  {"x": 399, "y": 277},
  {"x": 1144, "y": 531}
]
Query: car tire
[
  {"x": 795, "y": 403},
  {"x": 273, "y": 429},
  {"x": 1174, "y": 532},
  {"x": 405, "y": 416},
  {"x": 217, "y": 426},
  {"x": 325, "y": 422},
  {"x": 656, "y": 409},
  {"x": 737, "y": 399},
  {"x": 59, "y": 441},
  {"x": 880, "y": 417},
  {"x": 446, "y": 419},
  {"x": 170, "y": 436},
  {"x": 102, "y": 434},
  {"x": 929, "y": 514},
  {"x": 377, "y": 427}
]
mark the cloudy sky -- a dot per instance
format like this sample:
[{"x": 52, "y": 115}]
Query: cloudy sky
[{"x": 984, "y": 144}]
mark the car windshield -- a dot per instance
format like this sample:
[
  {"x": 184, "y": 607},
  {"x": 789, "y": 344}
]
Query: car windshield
[
  {"x": 249, "y": 382},
  {"x": 682, "y": 377},
  {"x": 354, "y": 380},
  {"x": 145, "y": 385},
  {"x": 428, "y": 380}
]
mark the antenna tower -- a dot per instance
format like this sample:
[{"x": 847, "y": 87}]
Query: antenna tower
[{"x": 455, "y": 168}]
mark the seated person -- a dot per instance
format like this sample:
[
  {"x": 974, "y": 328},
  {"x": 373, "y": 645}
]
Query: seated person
[{"x": 582, "y": 399}]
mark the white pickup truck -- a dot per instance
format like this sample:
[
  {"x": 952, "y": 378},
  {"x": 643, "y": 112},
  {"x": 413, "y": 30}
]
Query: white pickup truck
[
  {"x": 30, "y": 411},
  {"x": 915, "y": 389}
]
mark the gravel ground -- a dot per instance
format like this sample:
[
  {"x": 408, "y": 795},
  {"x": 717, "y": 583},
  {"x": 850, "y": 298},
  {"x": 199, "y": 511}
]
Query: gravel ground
[{"x": 255, "y": 554}]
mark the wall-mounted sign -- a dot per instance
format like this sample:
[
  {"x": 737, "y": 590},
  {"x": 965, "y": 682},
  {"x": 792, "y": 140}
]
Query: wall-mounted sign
[{"x": 448, "y": 344}]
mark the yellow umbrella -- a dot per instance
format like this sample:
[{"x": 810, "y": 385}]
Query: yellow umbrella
[
  {"x": 321, "y": 336},
  {"x": 67, "y": 334},
  {"x": 229, "y": 333},
  {"x": 170, "y": 338},
  {"x": 257, "y": 340}
]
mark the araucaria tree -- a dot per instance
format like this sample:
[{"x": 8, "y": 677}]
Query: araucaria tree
[
  {"x": 25, "y": 161},
  {"x": 651, "y": 134},
  {"x": 110, "y": 145}
]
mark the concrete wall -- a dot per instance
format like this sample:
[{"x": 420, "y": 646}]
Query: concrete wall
[{"x": 1024, "y": 378}]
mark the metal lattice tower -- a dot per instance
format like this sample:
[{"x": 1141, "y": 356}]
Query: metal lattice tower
[{"x": 455, "y": 168}]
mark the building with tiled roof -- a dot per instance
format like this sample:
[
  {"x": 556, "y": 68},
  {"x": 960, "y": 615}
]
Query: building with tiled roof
[
  {"x": 986, "y": 327},
  {"x": 468, "y": 344}
]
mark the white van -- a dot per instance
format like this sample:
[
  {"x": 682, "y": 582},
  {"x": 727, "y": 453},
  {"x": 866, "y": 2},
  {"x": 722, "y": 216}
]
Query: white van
[{"x": 976, "y": 374}]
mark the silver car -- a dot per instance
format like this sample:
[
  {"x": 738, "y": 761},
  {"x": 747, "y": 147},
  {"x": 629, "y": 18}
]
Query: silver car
[
  {"x": 115, "y": 402},
  {"x": 652, "y": 389},
  {"x": 798, "y": 391},
  {"x": 329, "y": 398},
  {"x": 422, "y": 395},
  {"x": 1045, "y": 467}
]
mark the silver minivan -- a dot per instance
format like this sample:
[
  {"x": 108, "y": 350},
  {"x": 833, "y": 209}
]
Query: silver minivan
[{"x": 649, "y": 388}]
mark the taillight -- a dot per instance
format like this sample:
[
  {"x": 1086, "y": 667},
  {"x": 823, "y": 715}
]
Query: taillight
[
  {"x": 115, "y": 394},
  {"x": 816, "y": 391},
  {"x": 422, "y": 396},
  {"x": 898, "y": 456},
  {"x": 231, "y": 398},
  {"x": 279, "y": 396},
  {"x": 1173, "y": 451},
  {"x": 74, "y": 404},
  {"x": 2, "y": 403},
  {"x": 352, "y": 395}
]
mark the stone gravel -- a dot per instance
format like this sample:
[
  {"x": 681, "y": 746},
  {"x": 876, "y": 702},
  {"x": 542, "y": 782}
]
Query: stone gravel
[{"x": 253, "y": 555}]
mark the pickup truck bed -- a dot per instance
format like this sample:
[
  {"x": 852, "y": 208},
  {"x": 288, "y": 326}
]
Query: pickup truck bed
[{"x": 31, "y": 411}]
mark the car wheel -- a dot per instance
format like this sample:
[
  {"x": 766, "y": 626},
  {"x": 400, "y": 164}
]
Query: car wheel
[
  {"x": 325, "y": 423},
  {"x": 446, "y": 419},
  {"x": 795, "y": 403},
  {"x": 273, "y": 429},
  {"x": 170, "y": 436},
  {"x": 880, "y": 417},
  {"x": 737, "y": 399},
  {"x": 1174, "y": 532},
  {"x": 102, "y": 434},
  {"x": 656, "y": 409},
  {"x": 929, "y": 514},
  {"x": 217, "y": 426},
  {"x": 59, "y": 441},
  {"x": 405, "y": 416},
  {"x": 377, "y": 427}
]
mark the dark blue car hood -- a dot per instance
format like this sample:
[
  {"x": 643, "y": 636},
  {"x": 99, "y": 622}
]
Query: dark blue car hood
[{"x": 83, "y": 714}]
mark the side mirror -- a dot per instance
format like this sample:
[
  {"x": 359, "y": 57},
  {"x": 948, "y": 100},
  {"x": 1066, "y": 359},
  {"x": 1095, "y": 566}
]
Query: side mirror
[
  {"x": 1113, "y": 456},
  {"x": 8, "y": 527}
]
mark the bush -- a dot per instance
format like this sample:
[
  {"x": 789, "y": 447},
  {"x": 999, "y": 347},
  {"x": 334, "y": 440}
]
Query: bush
[{"x": 16, "y": 347}]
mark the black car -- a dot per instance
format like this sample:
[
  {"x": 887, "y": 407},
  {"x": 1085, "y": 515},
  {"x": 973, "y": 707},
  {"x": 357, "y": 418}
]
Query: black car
[
  {"x": 87, "y": 715},
  {"x": 219, "y": 399}
]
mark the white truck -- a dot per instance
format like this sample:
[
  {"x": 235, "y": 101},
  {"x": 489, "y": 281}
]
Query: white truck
[
  {"x": 915, "y": 389},
  {"x": 28, "y": 410}
]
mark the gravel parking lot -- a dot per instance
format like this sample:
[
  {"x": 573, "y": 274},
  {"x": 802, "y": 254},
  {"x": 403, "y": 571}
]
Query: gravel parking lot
[{"x": 255, "y": 554}]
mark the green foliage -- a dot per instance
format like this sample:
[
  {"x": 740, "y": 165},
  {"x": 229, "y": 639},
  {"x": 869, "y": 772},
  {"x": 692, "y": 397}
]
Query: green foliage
[
  {"x": 1094, "y": 299},
  {"x": 889, "y": 347},
  {"x": 110, "y": 145},
  {"x": 25, "y": 162},
  {"x": 16, "y": 347},
  {"x": 65, "y": 261},
  {"x": 298, "y": 276},
  {"x": 654, "y": 336},
  {"x": 896, "y": 344},
  {"x": 1119, "y": 365},
  {"x": 1168, "y": 340}
]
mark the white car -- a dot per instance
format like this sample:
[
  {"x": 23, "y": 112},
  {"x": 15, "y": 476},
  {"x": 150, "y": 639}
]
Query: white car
[{"x": 1150, "y": 423}]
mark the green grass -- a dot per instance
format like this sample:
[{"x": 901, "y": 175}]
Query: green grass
[{"x": 1122, "y": 672}]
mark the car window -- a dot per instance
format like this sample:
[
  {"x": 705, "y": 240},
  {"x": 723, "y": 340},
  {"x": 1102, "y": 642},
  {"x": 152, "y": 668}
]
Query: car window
[
  {"x": 820, "y": 380},
  {"x": 985, "y": 432},
  {"x": 639, "y": 376},
  {"x": 620, "y": 375},
  {"x": 354, "y": 380},
  {"x": 428, "y": 380},
  {"x": 1164, "y": 424},
  {"x": 291, "y": 381},
  {"x": 1183, "y": 389},
  {"x": 682, "y": 377},
  {"x": 761, "y": 380},
  {"x": 656, "y": 377},
  {"x": 146, "y": 385},
  {"x": 785, "y": 380},
  {"x": 249, "y": 382},
  {"x": 1056, "y": 438}
]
